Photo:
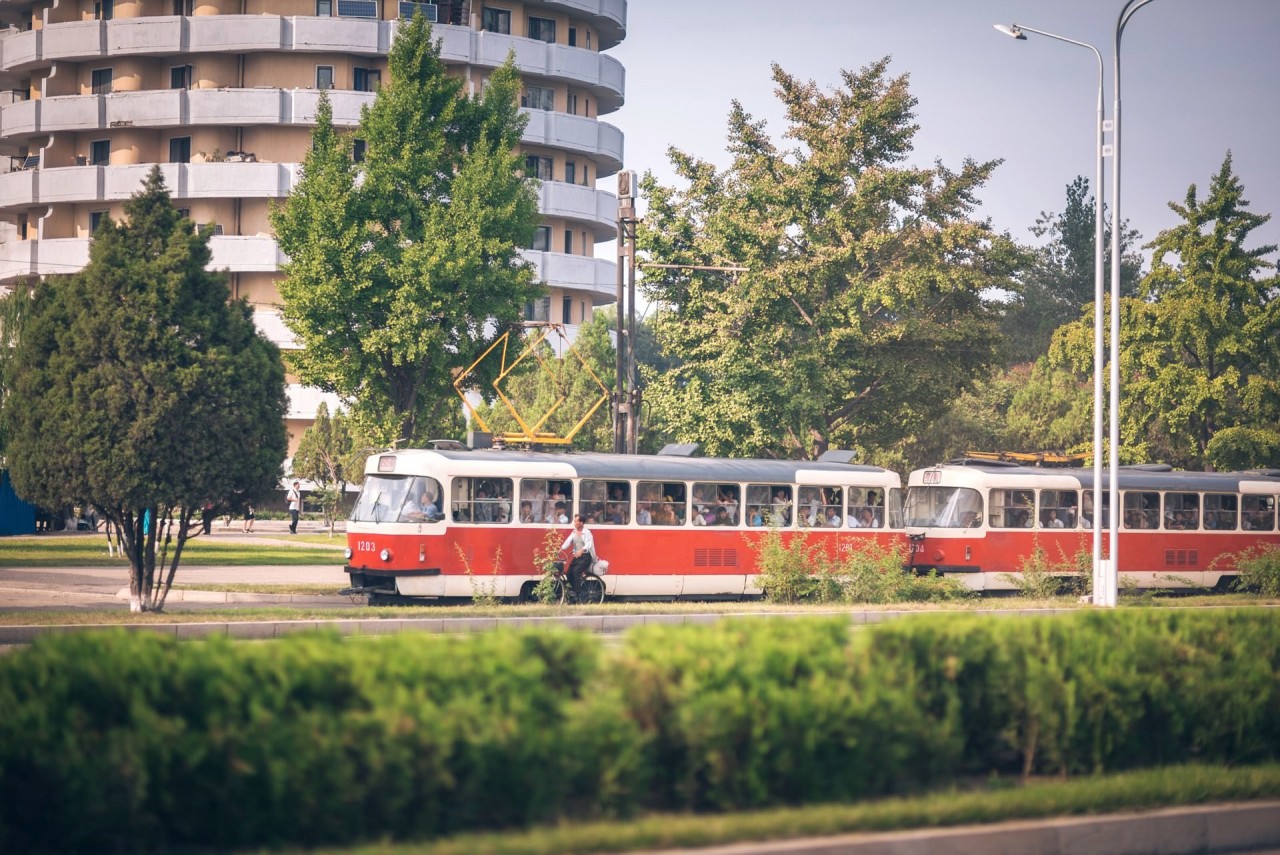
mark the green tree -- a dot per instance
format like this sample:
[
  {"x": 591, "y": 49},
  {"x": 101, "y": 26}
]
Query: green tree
[
  {"x": 13, "y": 311},
  {"x": 862, "y": 314},
  {"x": 139, "y": 389},
  {"x": 403, "y": 265},
  {"x": 327, "y": 455},
  {"x": 1060, "y": 283},
  {"x": 1200, "y": 352}
]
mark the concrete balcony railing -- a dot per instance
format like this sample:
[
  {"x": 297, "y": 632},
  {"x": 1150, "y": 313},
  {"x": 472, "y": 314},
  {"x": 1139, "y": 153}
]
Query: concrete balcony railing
[
  {"x": 596, "y": 208},
  {"x": 84, "y": 41},
  {"x": 31, "y": 187},
  {"x": 598, "y": 140},
  {"x": 579, "y": 272},
  {"x": 609, "y": 16},
  {"x": 68, "y": 255}
]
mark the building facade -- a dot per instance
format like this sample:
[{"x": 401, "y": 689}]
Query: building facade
[{"x": 222, "y": 94}]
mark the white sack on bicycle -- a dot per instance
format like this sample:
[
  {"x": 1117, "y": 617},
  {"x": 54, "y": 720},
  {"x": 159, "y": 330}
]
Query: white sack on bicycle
[{"x": 600, "y": 567}]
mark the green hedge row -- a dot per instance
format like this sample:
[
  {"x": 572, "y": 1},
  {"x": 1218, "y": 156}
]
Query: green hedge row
[{"x": 134, "y": 742}]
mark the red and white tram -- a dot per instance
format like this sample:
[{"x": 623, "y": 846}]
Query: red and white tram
[
  {"x": 455, "y": 523},
  {"x": 978, "y": 520}
]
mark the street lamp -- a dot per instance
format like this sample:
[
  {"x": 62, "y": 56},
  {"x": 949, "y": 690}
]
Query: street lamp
[
  {"x": 1099, "y": 583},
  {"x": 1112, "y": 569}
]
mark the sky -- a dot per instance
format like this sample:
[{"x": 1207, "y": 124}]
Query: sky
[{"x": 1200, "y": 77}]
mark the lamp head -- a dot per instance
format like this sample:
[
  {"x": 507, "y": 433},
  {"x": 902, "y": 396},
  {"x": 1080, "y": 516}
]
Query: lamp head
[{"x": 1011, "y": 30}]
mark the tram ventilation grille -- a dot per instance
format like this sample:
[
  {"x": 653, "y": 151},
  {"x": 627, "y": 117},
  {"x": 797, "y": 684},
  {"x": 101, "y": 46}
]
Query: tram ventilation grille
[
  {"x": 1181, "y": 557},
  {"x": 715, "y": 558}
]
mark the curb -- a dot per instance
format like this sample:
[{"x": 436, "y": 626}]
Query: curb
[
  {"x": 1232, "y": 827},
  {"x": 202, "y": 596}
]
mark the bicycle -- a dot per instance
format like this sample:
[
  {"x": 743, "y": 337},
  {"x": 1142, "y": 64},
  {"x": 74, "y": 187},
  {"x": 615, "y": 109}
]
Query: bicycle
[{"x": 590, "y": 587}]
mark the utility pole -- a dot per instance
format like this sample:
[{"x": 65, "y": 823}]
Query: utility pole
[{"x": 626, "y": 397}]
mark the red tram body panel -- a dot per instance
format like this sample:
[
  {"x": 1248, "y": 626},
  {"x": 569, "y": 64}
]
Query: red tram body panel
[
  {"x": 459, "y": 523},
  {"x": 982, "y": 520}
]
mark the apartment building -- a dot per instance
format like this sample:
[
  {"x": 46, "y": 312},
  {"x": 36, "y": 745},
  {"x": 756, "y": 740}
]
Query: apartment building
[{"x": 222, "y": 94}]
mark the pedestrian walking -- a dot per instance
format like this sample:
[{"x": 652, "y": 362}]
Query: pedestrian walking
[{"x": 295, "y": 506}]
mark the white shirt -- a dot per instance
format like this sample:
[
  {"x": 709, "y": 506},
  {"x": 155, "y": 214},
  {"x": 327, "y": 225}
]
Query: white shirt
[
  {"x": 294, "y": 496},
  {"x": 580, "y": 542}
]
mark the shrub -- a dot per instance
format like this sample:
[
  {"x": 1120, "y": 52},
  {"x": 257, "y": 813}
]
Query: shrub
[{"x": 1259, "y": 570}]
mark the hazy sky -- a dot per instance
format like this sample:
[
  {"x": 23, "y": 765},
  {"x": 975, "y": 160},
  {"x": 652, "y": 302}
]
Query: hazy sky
[{"x": 1199, "y": 77}]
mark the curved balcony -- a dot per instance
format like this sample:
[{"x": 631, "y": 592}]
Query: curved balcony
[
  {"x": 169, "y": 36},
  {"x": 608, "y": 16},
  {"x": 598, "y": 140},
  {"x": 595, "y": 208},
  {"x": 30, "y": 187},
  {"x": 67, "y": 255},
  {"x": 578, "y": 272}
]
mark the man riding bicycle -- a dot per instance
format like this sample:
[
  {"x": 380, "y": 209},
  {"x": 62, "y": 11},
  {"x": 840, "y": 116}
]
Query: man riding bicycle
[{"x": 583, "y": 548}]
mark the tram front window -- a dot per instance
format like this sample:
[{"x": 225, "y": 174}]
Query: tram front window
[
  {"x": 943, "y": 507},
  {"x": 398, "y": 498}
]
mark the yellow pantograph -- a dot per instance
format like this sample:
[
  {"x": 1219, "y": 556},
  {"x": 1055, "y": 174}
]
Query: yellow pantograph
[{"x": 532, "y": 431}]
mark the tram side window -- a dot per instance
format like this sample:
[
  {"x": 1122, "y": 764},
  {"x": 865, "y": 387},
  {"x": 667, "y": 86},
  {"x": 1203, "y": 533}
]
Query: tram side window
[
  {"x": 715, "y": 504},
  {"x": 533, "y": 501},
  {"x": 1012, "y": 509},
  {"x": 1141, "y": 510},
  {"x": 1259, "y": 513},
  {"x": 1058, "y": 508},
  {"x": 821, "y": 507},
  {"x": 659, "y": 503},
  {"x": 1182, "y": 511},
  {"x": 894, "y": 507},
  {"x": 768, "y": 504},
  {"x": 605, "y": 502},
  {"x": 482, "y": 500},
  {"x": 866, "y": 507},
  {"x": 1220, "y": 511}
]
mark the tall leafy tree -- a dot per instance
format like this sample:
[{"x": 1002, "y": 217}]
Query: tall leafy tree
[
  {"x": 1199, "y": 347},
  {"x": 862, "y": 314},
  {"x": 327, "y": 455},
  {"x": 1059, "y": 283},
  {"x": 404, "y": 265},
  {"x": 139, "y": 389}
]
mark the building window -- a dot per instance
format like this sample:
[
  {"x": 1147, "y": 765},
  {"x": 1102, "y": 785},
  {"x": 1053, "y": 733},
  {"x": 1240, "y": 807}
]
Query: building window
[
  {"x": 182, "y": 7},
  {"x": 568, "y": 241},
  {"x": 185, "y": 213},
  {"x": 586, "y": 174},
  {"x": 367, "y": 79},
  {"x": 541, "y": 239},
  {"x": 537, "y": 167},
  {"x": 588, "y": 40},
  {"x": 542, "y": 29},
  {"x": 573, "y": 37},
  {"x": 324, "y": 76},
  {"x": 95, "y": 220},
  {"x": 538, "y": 98},
  {"x": 570, "y": 170},
  {"x": 566, "y": 311},
  {"x": 104, "y": 10},
  {"x": 538, "y": 310},
  {"x": 100, "y": 81},
  {"x": 180, "y": 150},
  {"x": 180, "y": 77},
  {"x": 324, "y": 8},
  {"x": 495, "y": 20},
  {"x": 571, "y": 104},
  {"x": 99, "y": 152},
  {"x": 358, "y": 148}
]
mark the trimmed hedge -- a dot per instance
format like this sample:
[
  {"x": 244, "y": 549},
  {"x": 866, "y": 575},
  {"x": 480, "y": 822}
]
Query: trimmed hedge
[{"x": 129, "y": 741}]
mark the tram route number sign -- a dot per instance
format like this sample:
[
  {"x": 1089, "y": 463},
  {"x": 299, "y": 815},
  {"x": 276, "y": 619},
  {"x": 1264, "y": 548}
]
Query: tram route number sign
[{"x": 933, "y": 476}]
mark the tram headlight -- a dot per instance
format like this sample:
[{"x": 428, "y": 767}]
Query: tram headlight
[
  {"x": 385, "y": 555},
  {"x": 348, "y": 553}
]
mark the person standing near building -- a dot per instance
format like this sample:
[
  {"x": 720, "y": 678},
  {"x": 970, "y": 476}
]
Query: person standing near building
[{"x": 295, "y": 506}]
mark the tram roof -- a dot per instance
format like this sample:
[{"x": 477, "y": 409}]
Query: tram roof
[
  {"x": 1131, "y": 477},
  {"x": 637, "y": 466}
]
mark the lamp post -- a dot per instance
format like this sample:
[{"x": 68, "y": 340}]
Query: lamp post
[
  {"x": 1112, "y": 568},
  {"x": 1017, "y": 32}
]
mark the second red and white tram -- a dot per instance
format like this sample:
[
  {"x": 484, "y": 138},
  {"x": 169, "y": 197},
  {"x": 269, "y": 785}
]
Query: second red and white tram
[
  {"x": 979, "y": 520},
  {"x": 456, "y": 523}
]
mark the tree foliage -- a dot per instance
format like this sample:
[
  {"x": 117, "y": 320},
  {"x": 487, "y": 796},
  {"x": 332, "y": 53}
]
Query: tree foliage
[
  {"x": 1059, "y": 283},
  {"x": 1199, "y": 347},
  {"x": 861, "y": 316},
  {"x": 404, "y": 264},
  {"x": 327, "y": 455},
  {"x": 139, "y": 389}
]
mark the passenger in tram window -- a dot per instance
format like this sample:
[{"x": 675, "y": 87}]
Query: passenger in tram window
[
  {"x": 553, "y": 504},
  {"x": 1069, "y": 512},
  {"x": 1021, "y": 518},
  {"x": 615, "y": 515},
  {"x": 867, "y": 519},
  {"x": 665, "y": 515},
  {"x": 833, "y": 517},
  {"x": 526, "y": 512},
  {"x": 643, "y": 515},
  {"x": 970, "y": 519},
  {"x": 756, "y": 517},
  {"x": 782, "y": 506},
  {"x": 729, "y": 501},
  {"x": 558, "y": 515},
  {"x": 722, "y": 517}
]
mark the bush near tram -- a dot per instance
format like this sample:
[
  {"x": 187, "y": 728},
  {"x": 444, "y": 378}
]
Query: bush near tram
[{"x": 133, "y": 741}]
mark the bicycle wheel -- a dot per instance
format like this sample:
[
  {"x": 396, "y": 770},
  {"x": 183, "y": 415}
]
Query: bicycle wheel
[
  {"x": 592, "y": 591},
  {"x": 559, "y": 592}
]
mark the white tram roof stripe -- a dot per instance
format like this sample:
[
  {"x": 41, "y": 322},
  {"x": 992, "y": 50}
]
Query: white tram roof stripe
[{"x": 532, "y": 464}]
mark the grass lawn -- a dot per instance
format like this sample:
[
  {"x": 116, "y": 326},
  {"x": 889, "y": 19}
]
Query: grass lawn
[
  {"x": 90, "y": 550},
  {"x": 985, "y": 801}
]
